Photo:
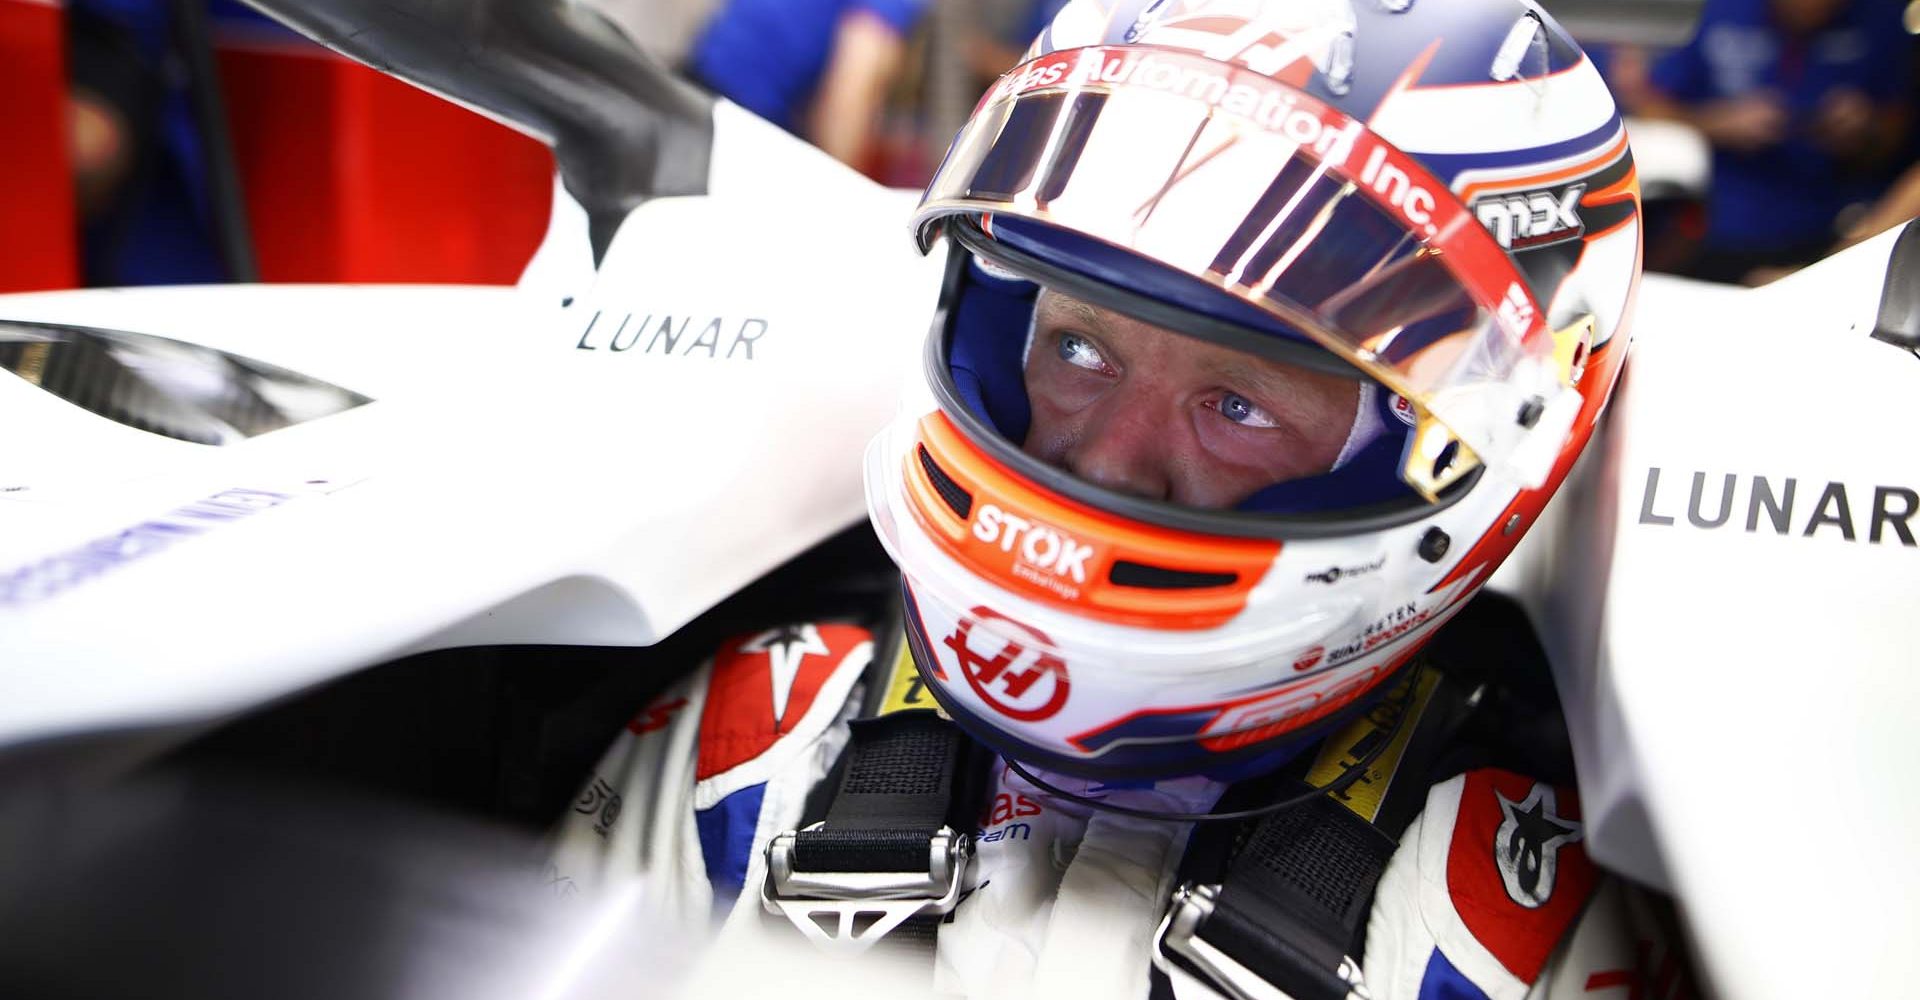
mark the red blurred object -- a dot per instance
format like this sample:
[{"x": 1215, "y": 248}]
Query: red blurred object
[
  {"x": 353, "y": 176},
  {"x": 41, "y": 247}
]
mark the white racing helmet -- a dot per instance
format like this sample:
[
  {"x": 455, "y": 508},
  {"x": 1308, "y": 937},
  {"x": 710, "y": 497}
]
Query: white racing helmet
[{"x": 1270, "y": 327}]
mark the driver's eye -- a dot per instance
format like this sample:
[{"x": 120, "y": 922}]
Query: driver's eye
[
  {"x": 1241, "y": 410},
  {"x": 1080, "y": 352}
]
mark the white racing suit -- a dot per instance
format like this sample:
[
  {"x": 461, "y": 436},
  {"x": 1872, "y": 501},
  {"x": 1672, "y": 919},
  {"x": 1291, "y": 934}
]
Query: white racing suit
[{"x": 1489, "y": 893}]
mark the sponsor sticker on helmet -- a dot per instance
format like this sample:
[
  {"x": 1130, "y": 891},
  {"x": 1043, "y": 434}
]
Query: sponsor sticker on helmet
[
  {"x": 1021, "y": 678},
  {"x": 1286, "y": 709},
  {"x": 1042, "y": 555},
  {"x": 1516, "y": 311},
  {"x": 1329, "y": 133},
  {"x": 1335, "y": 574},
  {"x": 1522, "y": 220}
]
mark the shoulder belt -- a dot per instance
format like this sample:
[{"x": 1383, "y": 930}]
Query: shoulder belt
[
  {"x": 1287, "y": 918},
  {"x": 888, "y": 858}
]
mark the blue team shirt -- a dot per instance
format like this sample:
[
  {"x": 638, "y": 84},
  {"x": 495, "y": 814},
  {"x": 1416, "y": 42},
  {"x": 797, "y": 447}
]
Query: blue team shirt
[
  {"x": 160, "y": 231},
  {"x": 1788, "y": 195},
  {"x": 768, "y": 55}
]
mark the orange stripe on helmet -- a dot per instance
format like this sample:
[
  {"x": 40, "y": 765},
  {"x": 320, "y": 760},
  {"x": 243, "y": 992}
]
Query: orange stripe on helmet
[
  {"x": 1613, "y": 152},
  {"x": 1620, "y": 190},
  {"x": 1053, "y": 550}
]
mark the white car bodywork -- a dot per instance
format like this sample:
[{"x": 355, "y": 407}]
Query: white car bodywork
[
  {"x": 1741, "y": 697},
  {"x": 547, "y": 464},
  {"x": 595, "y": 473}
]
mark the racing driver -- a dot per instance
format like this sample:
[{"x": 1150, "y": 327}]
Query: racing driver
[{"x": 1268, "y": 328}]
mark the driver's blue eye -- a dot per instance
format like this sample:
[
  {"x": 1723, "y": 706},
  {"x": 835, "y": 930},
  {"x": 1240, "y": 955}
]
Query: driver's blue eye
[
  {"x": 1076, "y": 351},
  {"x": 1242, "y": 411}
]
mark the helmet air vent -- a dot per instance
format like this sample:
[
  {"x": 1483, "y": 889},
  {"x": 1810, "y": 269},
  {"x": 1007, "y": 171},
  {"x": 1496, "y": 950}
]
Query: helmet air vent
[
  {"x": 953, "y": 493},
  {"x": 1133, "y": 574}
]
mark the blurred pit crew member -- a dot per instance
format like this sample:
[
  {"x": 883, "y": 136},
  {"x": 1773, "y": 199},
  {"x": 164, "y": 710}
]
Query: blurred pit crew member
[
  {"x": 1900, "y": 205},
  {"x": 820, "y": 69},
  {"x": 1267, "y": 330},
  {"x": 988, "y": 53},
  {"x": 140, "y": 174},
  {"x": 1804, "y": 104}
]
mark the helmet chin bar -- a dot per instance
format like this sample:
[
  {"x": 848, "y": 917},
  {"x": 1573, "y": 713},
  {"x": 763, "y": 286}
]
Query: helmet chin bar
[{"x": 1398, "y": 687}]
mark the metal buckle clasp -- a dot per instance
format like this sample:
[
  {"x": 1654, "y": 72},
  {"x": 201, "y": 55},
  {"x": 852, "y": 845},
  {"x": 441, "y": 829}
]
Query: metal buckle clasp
[
  {"x": 1179, "y": 936},
  {"x": 848, "y": 912}
]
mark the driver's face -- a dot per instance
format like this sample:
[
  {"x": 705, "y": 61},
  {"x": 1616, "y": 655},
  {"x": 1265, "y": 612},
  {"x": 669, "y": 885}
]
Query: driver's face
[{"x": 1139, "y": 409}]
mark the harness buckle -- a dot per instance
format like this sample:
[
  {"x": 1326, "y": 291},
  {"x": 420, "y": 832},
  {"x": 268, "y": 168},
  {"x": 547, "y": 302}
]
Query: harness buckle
[
  {"x": 1181, "y": 952},
  {"x": 848, "y": 912}
]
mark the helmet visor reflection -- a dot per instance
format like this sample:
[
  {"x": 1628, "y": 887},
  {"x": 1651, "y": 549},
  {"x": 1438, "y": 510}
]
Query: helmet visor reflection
[{"x": 1276, "y": 199}]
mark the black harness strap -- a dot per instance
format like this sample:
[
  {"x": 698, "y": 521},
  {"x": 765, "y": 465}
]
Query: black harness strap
[
  {"x": 1294, "y": 903},
  {"x": 890, "y": 842},
  {"x": 896, "y": 790},
  {"x": 1289, "y": 913}
]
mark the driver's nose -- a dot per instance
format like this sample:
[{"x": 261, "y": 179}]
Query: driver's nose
[{"x": 1126, "y": 446}]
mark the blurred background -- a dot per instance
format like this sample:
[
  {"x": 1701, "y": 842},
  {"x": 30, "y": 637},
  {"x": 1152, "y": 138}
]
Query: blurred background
[{"x": 186, "y": 141}]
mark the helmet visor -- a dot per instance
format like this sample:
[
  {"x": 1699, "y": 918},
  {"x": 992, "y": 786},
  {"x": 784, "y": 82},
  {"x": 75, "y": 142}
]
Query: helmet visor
[{"x": 1285, "y": 204}]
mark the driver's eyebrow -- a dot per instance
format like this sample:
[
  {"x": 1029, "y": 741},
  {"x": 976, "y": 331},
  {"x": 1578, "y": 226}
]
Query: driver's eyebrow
[
  {"x": 1262, "y": 378},
  {"x": 1076, "y": 310}
]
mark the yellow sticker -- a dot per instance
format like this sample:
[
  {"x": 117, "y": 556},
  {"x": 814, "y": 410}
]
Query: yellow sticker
[
  {"x": 1345, "y": 748},
  {"x": 904, "y": 688}
]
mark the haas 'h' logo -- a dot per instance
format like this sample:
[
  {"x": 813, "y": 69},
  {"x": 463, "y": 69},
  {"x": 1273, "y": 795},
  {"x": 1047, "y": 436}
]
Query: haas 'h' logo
[{"x": 1022, "y": 683}]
